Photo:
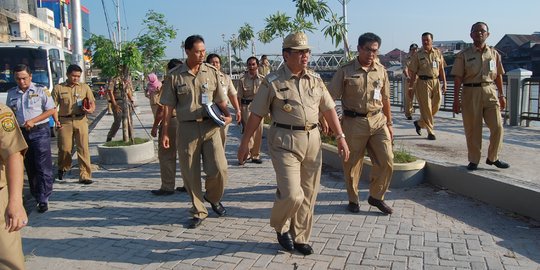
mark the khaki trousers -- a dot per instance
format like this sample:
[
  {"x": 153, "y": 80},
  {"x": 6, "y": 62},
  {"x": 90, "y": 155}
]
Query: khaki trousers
[
  {"x": 297, "y": 160},
  {"x": 11, "y": 254},
  {"x": 74, "y": 129},
  {"x": 428, "y": 94},
  {"x": 223, "y": 134},
  {"x": 409, "y": 101},
  {"x": 481, "y": 103},
  {"x": 369, "y": 134},
  {"x": 255, "y": 141},
  {"x": 196, "y": 140},
  {"x": 117, "y": 120},
  {"x": 167, "y": 158}
]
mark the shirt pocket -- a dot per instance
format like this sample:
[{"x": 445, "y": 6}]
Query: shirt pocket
[{"x": 182, "y": 89}]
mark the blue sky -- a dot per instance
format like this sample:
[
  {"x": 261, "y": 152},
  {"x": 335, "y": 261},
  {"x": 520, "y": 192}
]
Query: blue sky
[{"x": 397, "y": 22}]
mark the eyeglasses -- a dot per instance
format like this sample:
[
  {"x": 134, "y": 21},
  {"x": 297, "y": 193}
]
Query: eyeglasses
[
  {"x": 306, "y": 51},
  {"x": 369, "y": 50}
]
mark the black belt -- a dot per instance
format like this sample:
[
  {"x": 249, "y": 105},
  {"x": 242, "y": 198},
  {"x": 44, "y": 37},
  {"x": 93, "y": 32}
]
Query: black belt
[
  {"x": 72, "y": 115},
  {"x": 245, "y": 101},
  {"x": 425, "y": 78},
  {"x": 197, "y": 120},
  {"x": 355, "y": 114},
  {"x": 307, "y": 127},
  {"x": 477, "y": 84}
]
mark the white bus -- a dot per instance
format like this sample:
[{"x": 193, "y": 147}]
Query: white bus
[{"x": 47, "y": 63}]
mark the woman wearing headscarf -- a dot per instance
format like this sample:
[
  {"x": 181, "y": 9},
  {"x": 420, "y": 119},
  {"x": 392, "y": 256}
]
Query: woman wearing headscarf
[{"x": 153, "y": 89}]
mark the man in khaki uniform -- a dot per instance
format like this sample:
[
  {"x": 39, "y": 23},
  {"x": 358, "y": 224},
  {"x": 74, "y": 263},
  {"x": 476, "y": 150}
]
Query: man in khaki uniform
[
  {"x": 166, "y": 156},
  {"x": 73, "y": 124},
  {"x": 294, "y": 96},
  {"x": 427, "y": 66},
  {"x": 229, "y": 90},
  {"x": 247, "y": 88},
  {"x": 363, "y": 87},
  {"x": 188, "y": 88},
  {"x": 478, "y": 68},
  {"x": 116, "y": 98},
  {"x": 409, "y": 94},
  {"x": 12, "y": 214},
  {"x": 264, "y": 67}
]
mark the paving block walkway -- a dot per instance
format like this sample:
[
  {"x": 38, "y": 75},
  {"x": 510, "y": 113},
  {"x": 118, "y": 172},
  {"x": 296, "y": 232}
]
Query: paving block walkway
[{"x": 116, "y": 223}]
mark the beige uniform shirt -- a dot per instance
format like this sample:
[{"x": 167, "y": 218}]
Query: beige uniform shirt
[
  {"x": 11, "y": 140},
  {"x": 69, "y": 98},
  {"x": 427, "y": 63},
  {"x": 307, "y": 96},
  {"x": 249, "y": 86},
  {"x": 360, "y": 90},
  {"x": 227, "y": 85},
  {"x": 186, "y": 91},
  {"x": 264, "y": 70},
  {"x": 478, "y": 66}
]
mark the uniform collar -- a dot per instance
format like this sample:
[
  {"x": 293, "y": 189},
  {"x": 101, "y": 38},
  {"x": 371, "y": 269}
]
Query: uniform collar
[
  {"x": 373, "y": 66},
  {"x": 30, "y": 88},
  {"x": 289, "y": 74},
  {"x": 483, "y": 49}
]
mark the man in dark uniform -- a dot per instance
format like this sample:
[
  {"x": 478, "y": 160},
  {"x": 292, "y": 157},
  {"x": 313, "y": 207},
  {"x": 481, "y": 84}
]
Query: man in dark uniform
[
  {"x": 12, "y": 214},
  {"x": 294, "y": 96},
  {"x": 188, "y": 88},
  {"x": 33, "y": 105}
]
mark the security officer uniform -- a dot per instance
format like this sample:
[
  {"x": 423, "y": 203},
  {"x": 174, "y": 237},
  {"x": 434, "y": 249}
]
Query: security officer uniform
[
  {"x": 197, "y": 135},
  {"x": 74, "y": 126},
  {"x": 426, "y": 66},
  {"x": 229, "y": 90},
  {"x": 247, "y": 88},
  {"x": 116, "y": 90},
  {"x": 479, "y": 69},
  {"x": 294, "y": 142},
  {"x": 362, "y": 91},
  {"x": 11, "y": 141},
  {"x": 38, "y": 160}
]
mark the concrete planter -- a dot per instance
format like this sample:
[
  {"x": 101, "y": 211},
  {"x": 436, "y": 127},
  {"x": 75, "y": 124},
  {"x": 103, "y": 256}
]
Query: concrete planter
[
  {"x": 131, "y": 154},
  {"x": 405, "y": 174}
]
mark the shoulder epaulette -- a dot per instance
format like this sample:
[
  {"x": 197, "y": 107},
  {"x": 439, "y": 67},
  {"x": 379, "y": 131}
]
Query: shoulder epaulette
[
  {"x": 210, "y": 66},
  {"x": 174, "y": 68},
  {"x": 314, "y": 74},
  {"x": 271, "y": 77}
]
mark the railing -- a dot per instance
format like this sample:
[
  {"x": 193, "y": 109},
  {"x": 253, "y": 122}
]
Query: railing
[{"x": 530, "y": 105}]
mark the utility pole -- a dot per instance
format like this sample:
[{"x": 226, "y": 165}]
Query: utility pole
[
  {"x": 76, "y": 30},
  {"x": 345, "y": 37},
  {"x": 228, "y": 41}
]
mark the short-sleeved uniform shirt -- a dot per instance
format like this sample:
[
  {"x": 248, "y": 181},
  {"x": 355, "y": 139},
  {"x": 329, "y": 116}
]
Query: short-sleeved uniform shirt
[
  {"x": 30, "y": 103},
  {"x": 11, "y": 140},
  {"x": 360, "y": 90},
  {"x": 427, "y": 63},
  {"x": 114, "y": 86},
  {"x": 307, "y": 96},
  {"x": 69, "y": 98},
  {"x": 186, "y": 91},
  {"x": 249, "y": 85},
  {"x": 227, "y": 85},
  {"x": 478, "y": 66}
]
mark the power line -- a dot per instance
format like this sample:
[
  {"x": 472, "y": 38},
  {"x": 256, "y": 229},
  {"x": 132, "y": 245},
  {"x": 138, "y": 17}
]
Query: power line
[{"x": 106, "y": 19}]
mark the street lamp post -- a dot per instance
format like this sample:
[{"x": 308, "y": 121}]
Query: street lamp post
[{"x": 228, "y": 41}]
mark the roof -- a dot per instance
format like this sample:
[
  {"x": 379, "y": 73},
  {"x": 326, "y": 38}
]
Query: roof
[{"x": 522, "y": 39}]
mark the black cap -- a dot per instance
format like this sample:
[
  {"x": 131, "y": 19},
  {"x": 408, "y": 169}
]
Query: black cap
[{"x": 413, "y": 46}]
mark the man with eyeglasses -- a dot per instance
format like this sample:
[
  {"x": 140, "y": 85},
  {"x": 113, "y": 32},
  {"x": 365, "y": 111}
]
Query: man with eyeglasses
[
  {"x": 364, "y": 89},
  {"x": 247, "y": 88},
  {"x": 427, "y": 66},
  {"x": 479, "y": 69},
  {"x": 294, "y": 96}
]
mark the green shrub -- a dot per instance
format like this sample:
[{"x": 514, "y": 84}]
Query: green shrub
[
  {"x": 401, "y": 155},
  {"x": 122, "y": 143}
]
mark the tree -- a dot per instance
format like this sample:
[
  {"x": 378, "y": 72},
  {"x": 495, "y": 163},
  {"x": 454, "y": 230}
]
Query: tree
[{"x": 152, "y": 42}]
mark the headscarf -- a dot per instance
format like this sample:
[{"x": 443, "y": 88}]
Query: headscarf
[{"x": 153, "y": 83}]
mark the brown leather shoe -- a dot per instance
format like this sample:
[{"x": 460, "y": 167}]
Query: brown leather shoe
[
  {"x": 498, "y": 163},
  {"x": 383, "y": 207}
]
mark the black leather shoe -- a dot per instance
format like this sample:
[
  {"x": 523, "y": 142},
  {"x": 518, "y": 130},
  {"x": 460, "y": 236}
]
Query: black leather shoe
[
  {"x": 256, "y": 161},
  {"x": 409, "y": 117},
  {"x": 431, "y": 137},
  {"x": 86, "y": 182},
  {"x": 181, "y": 189},
  {"x": 472, "y": 166},
  {"x": 353, "y": 207},
  {"x": 418, "y": 128},
  {"x": 42, "y": 207},
  {"x": 61, "y": 174},
  {"x": 381, "y": 205},
  {"x": 499, "y": 164},
  {"x": 218, "y": 208},
  {"x": 161, "y": 192},
  {"x": 305, "y": 249},
  {"x": 194, "y": 223},
  {"x": 285, "y": 240}
]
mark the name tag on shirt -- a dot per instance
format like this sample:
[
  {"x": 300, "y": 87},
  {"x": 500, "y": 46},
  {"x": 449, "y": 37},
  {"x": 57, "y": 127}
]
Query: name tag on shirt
[
  {"x": 79, "y": 102},
  {"x": 435, "y": 64},
  {"x": 204, "y": 98},
  {"x": 491, "y": 65},
  {"x": 377, "y": 94}
]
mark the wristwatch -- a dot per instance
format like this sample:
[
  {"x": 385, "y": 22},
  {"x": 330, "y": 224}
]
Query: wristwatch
[{"x": 342, "y": 135}]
